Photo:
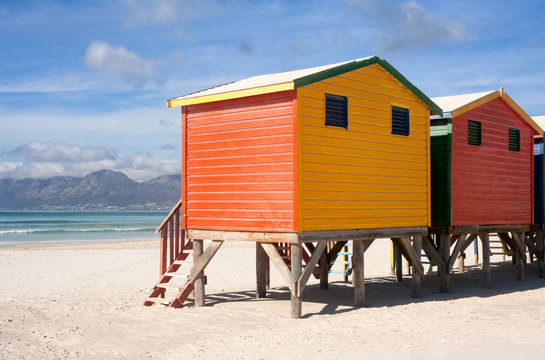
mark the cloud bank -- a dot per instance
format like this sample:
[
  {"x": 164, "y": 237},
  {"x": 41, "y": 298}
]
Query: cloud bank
[{"x": 48, "y": 159}]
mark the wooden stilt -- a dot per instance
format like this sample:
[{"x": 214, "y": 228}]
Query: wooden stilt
[
  {"x": 199, "y": 279},
  {"x": 461, "y": 262},
  {"x": 485, "y": 240},
  {"x": 539, "y": 256},
  {"x": 444, "y": 249},
  {"x": 398, "y": 263},
  {"x": 261, "y": 263},
  {"x": 296, "y": 296},
  {"x": 417, "y": 279},
  {"x": 324, "y": 276},
  {"x": 357, "y": 272},
  {"x": 519, "y": 263}
]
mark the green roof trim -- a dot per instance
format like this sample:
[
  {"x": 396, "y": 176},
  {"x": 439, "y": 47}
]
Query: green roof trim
[
  {"x": 354, "y": 65},
  {"x": 338, "y": 70}
]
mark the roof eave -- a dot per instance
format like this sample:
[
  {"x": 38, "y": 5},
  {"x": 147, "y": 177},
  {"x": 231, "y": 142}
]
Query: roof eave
[{"x": 230, "y": 94}]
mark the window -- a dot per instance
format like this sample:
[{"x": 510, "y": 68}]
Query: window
[
  {"x": 514, "y": 139},
  {"x": 336, "y": 110},
  {"x": 474, "y": 132},
  {"x": 400, "y": 121}
]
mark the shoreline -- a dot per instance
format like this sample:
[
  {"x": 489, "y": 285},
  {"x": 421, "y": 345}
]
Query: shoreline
[{"x": 122, "y": 243}]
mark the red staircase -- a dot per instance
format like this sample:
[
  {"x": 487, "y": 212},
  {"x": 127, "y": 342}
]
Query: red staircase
[{"x": 176, "y": 262}]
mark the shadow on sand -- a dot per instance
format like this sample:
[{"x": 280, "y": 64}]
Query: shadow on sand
[{"x": 385, "y": 291}]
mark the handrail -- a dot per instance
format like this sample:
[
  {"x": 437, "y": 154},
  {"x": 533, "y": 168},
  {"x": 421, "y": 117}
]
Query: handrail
[{"x": 167, "y": 219}]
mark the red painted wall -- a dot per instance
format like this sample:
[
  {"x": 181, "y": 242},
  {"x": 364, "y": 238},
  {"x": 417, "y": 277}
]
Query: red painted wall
[
  {"x": 240, "y": 164},
  {"x": 489, "y": 183}
]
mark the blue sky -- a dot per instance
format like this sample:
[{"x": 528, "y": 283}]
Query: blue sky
[{"x": 84, "y": 84}]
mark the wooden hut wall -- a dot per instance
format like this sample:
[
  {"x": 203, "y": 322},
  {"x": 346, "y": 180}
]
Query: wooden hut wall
[
  {"x": 491, "y": 184},
  {"x": 240, "y": 163},
  {"x": 362, "y": 176},
  {"x": 539, "y": 214}
]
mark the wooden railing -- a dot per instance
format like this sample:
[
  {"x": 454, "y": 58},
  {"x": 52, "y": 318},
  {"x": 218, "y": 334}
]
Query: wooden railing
[{"x": 172, "y": 238}]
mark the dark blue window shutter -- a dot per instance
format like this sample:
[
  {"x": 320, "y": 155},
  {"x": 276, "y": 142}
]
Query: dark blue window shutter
[
  {"x": 474, "y": 132},
  {"x": 336, "y": 110},
  {"x": 400, "y": 121},
  {"x": 514, "y": 139}
]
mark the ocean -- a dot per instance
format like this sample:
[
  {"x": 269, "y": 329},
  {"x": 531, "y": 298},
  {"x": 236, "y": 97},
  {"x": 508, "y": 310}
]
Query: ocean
[{"x": 43, "y": 227}]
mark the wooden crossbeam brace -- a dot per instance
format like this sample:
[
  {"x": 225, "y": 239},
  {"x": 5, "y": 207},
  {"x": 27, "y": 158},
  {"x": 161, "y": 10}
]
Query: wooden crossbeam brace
[
  {"x": 507, "y": 241},
  {"x": 332, "y": 254},
  {"x": 204, "y": 259},
  {"x": 432, "y": 251},
  {"x": 457, "y": 248},
  {"x": 520, "y": 246},
  {"x": 314, "y": 258},
  {"x": 296, "y": 286},
  {"x": 410, "y": 254},
  {"x": 531, "y": 246},
  {"x": 468, "y": 242},
  {"x": 280, "y": 265}
]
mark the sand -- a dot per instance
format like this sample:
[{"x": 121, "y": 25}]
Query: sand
[{"x": 85, "y": 301}]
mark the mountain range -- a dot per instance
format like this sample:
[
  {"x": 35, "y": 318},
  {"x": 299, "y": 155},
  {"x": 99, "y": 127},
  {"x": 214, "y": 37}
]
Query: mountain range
[{"x": 101, "y": 190}]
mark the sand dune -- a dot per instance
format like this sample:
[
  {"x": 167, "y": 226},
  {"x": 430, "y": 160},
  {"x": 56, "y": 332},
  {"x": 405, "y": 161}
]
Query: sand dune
[{"x": 85, "y": 301}]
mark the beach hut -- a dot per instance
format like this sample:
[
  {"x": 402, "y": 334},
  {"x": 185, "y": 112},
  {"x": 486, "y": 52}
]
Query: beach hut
[
  {"x": 482, "y": 176},
  {"x": 294, "y": 160},
  {"x": 539, "y": 195}
]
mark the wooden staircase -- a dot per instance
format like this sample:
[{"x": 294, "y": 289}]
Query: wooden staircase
[
  {"x": 178, "y": 269},
  {"x": 169, "y": 281}
]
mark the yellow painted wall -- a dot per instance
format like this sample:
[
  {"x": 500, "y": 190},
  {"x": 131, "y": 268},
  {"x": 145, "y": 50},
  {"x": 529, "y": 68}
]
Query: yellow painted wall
[{"x": 363, "y": 177}]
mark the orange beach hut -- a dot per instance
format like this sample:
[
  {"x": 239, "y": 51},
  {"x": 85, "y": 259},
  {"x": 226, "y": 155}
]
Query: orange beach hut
[{"x": 332, "y": 153}]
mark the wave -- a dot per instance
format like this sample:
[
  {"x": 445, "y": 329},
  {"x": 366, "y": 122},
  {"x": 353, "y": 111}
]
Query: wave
[{"x": 65, "y": 231}]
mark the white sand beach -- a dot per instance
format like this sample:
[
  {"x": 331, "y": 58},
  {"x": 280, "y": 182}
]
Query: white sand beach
[{"x": 85, "y": 301}]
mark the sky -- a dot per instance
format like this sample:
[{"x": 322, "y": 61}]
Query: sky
[{"x": 84, "y": 84}]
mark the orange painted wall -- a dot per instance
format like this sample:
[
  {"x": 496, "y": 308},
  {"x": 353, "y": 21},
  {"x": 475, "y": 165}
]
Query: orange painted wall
[
  {"x": 240, "y": 164},
  {"x": 490, "y": 184}
]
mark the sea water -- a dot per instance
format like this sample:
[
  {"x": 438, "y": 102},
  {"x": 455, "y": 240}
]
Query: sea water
[{"x": 25, "y": 227}]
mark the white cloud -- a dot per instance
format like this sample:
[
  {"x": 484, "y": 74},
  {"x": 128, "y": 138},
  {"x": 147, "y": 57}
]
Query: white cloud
[
  {"x": 408, "y": 26},
  {"x": 48, "y": 159},
  {"x": 121, "y": 63}
]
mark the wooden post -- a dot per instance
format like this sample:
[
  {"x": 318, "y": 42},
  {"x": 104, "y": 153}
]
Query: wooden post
[
  {"x": 261, "y": 262},
  {"x": 398, "y": 263},
  {"x": 199, "y": 280},
  {"x": 296, "y": 263},
  {"x": 519, "y": 264},
  {"x": 539, "y": 245},
  {"x": 417, "y": 280},
  {"x": 163, "y": 252},
  {"x": 357, "y": 272},
  {"x": 461, "y": 262},
  {"x": 324, "y": 277},
  {"x": 486, "y": 259},
  {"x": 444, "y": 249}
]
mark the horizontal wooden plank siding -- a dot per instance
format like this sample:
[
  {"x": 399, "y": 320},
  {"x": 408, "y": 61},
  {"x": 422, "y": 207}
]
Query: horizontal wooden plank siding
[
  {"x": 240, "y": 164},
  {"x": 491, "y": 184},
  {"x": 363, "y": 176}
]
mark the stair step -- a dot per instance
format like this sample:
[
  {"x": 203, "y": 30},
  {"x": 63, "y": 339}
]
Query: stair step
[
  {"x": 167, "y": 286},
  {"x": 175, "y": 274},
  {"x": 181, "y": 262},
  {"x": 159, "y": 300}
]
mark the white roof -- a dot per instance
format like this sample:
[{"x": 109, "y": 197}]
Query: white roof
[
  {"x": 540, "y": 120},
  {"x": 264, "y": 80},
  {"x": 451, "y": 103}
]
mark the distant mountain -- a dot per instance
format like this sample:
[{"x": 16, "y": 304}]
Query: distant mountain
[{"x": 103, "y": 189}]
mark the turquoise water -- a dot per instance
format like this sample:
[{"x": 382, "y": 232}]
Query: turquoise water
[{"x": 23, "y": 227}]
